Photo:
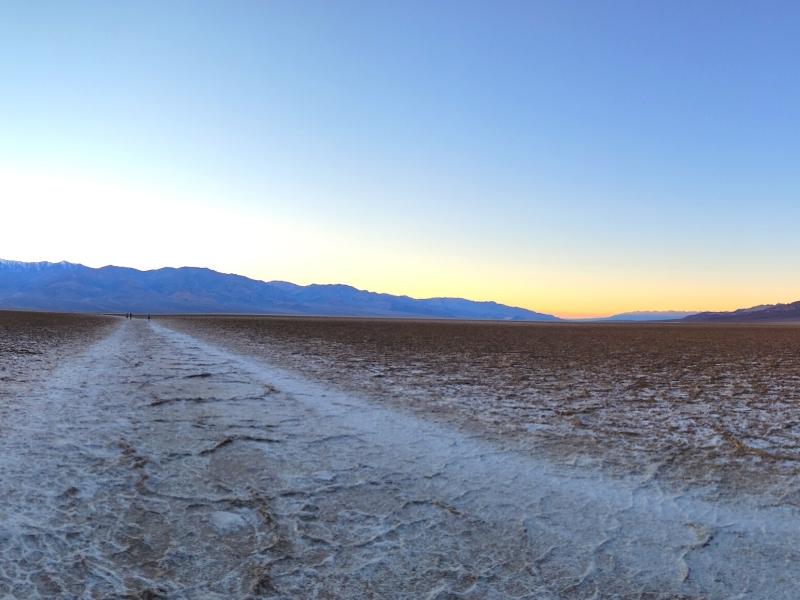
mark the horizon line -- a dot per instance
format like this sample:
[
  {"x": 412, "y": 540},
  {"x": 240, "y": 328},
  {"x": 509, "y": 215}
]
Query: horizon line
[{"x": 567, "y": 316}]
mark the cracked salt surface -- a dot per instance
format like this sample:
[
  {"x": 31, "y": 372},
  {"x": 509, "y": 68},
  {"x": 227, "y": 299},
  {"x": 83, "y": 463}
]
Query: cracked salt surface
[{"x": 156, "y": 465}]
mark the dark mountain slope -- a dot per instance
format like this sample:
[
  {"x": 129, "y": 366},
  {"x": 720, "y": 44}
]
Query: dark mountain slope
[{"x": 758, "y": 314}]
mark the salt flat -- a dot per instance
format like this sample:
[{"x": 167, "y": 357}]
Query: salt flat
[{"x": 153, "y": 464}]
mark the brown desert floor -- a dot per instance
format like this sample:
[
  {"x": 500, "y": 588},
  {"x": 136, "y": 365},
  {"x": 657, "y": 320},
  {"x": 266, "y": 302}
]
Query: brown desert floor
[
  {"x": 152, "y": 463},
  {"x": 703, "y": 405},
  {"x": 32, "y": 343}
]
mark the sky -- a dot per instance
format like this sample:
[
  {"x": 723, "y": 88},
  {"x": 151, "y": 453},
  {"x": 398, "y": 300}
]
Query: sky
[{"x": 574, "y": 158}]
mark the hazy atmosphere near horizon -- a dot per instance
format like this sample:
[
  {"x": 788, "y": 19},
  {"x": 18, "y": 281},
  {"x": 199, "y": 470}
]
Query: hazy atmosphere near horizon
[{"x": 574, "y": 158}]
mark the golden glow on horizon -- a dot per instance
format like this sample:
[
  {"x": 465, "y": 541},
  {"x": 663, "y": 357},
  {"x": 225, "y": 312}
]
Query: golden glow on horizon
[{"x": 99, "y": 222}]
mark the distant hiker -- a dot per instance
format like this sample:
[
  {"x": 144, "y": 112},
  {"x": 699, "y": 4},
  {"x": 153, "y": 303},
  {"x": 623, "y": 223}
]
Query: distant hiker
[{"x": 148, "y": 317}]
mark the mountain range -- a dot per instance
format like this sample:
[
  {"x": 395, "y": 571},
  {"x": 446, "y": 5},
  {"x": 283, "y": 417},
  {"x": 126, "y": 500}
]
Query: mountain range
[
  {"x": 642, "y": 316},
  {"x": 765, "y": 313},
  {"x": 70, "y": 287}
]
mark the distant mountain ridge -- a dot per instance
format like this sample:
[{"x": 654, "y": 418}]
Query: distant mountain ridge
[
  {"x": 652, "y": 315},
  {"x": 70, "y": 287},
  {"x": 764, "y": 313},
  {"x": 641, "y": 316}
]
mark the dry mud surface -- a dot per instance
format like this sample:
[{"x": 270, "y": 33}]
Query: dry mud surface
[
  {"x": 32, "y": 343},
  {"x": 155, "y": 464},
  {"x": 692, "y": 405}
]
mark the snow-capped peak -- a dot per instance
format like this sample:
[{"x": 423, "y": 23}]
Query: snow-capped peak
[{"x": 19, "y": 265}]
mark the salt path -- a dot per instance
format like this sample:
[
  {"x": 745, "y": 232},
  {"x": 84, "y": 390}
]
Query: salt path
[{"x": 156, "y": 465}]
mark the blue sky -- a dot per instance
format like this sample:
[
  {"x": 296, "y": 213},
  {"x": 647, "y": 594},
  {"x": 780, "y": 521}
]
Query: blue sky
[{"x": 575, "y": 157}]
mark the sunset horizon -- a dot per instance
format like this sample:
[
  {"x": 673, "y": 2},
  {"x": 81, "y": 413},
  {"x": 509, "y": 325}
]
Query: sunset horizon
[
  {"x": 543, "y": 156},
  {"x": 631, "y": 307}
]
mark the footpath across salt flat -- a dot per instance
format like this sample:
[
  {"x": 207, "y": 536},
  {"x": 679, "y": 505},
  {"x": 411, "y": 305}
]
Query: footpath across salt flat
[{"x": 156, "y": 465}]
